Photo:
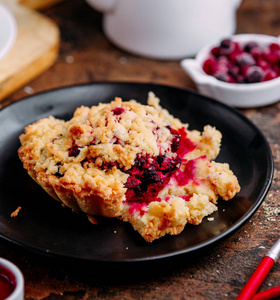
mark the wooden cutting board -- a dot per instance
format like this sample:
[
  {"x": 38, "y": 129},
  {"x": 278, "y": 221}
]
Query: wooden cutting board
[
  {"x": 39, "y": 4},
  {"x": 34, "y": 51}
]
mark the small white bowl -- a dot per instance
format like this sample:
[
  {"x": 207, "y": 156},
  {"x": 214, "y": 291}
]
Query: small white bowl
[
  {"x": 243, "y": 95},
  {"x": 8, "y": 30},
  {"x": 13, "y": 273}
]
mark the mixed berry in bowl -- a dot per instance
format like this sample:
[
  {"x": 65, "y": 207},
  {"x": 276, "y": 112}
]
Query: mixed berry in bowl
[
  {"x": 243, "y": 62},
  {"x": 241, "y": 71}
]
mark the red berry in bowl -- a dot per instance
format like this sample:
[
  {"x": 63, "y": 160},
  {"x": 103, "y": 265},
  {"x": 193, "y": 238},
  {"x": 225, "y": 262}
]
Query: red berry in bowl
[
  {"x": 274, "y": 47},
  {"x": 272, "y": 57},
  {"x": 250, "y": 45},
  {"x": 264, "y": 64},
  {"x": 270, "y": 74},
  {"x": 245, "y": 59},
  {"x": 210, "y": 66},
  {"x": 254, "y": 74},
  {"x": 249, "y": 62}
]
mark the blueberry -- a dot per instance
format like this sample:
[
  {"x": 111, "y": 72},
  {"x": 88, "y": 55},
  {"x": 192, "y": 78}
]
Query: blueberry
[
  {"x": 254, "y": 74},
  {"x": 245, "y": 59},
  {"x": 222, "y": 77},
  {"x": 226, "y": 43},
  {"x": 250, "y": 45}
]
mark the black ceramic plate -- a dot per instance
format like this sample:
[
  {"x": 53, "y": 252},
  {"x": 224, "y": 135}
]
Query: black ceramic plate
[{"x": 44, "y": 226}]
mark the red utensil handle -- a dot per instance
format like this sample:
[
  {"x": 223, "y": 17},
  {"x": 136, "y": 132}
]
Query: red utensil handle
[
  {"x": 268, "y": 294},
  {"x": 256, "y": 279}
]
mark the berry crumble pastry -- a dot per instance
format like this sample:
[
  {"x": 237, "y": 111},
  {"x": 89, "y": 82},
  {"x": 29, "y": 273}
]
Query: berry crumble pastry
[{"x": 131, "y": 161}]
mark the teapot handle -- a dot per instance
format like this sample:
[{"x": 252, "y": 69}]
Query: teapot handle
[
  {"x": 237, "y": 3},
  {"x": 102, "y": 5}
]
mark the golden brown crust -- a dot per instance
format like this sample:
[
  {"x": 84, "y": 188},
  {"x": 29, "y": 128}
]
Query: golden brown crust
[{"x": 87, "y": 162}]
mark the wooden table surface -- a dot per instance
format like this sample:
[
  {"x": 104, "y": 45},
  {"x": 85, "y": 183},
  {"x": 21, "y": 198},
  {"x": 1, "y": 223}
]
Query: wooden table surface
[{"x": 221, "y": 272}]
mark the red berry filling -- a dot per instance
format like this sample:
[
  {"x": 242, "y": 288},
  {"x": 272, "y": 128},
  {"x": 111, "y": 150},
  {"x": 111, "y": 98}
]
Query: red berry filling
[
  {"x": 149, "y": 175},
  {"x": 249, "y": 63},
  {"x": 118, "y": 111}
]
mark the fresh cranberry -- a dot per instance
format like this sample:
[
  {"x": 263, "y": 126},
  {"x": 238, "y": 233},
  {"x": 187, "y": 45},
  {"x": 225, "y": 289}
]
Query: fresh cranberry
[
  {"x": 264, "y": 64},
  {"x": 223, "y": 65},
  {"x": 274, "y": 47},
  {"x": 272, "y": 57},
  {"x": 234, "y": 71},
  {"x": 215, "y": 51},
  {"x": 276, "y": 68},
  {"x": 270, "y": 74},
  {"x": 256, "y": 52},
  {"x": 210, "y": 66}
]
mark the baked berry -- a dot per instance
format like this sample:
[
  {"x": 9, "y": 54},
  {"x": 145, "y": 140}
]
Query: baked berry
[
  {"x": 118, "y": 111},
  {"x": 74, "y": 151},
  {"x": 175, "y": 142}
]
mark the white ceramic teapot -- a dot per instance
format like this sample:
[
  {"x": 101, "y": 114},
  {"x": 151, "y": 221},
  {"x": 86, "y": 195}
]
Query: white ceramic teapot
[{"x": 166, "y": 29}]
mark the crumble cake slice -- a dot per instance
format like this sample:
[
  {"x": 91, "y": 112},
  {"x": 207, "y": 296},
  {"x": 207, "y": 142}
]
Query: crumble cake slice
[{"x": 131, "y": 161}]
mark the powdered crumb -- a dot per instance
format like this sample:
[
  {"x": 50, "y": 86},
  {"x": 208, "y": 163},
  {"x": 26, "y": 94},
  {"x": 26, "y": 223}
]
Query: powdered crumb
[
  {"x": 29, "y": 90},
  {"x": 210, "y": 219},
  {"x": 69, "y": 59}
]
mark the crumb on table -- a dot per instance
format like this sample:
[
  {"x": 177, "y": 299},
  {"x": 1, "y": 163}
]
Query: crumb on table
[{"x": 15, "y": 213}]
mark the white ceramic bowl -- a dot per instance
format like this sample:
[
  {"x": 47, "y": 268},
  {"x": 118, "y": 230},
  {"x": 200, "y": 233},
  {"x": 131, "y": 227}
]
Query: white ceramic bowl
[
  {"x": 11, "y": 270},
  {"x": 244, "y": 95},
  {"x": 8, "y": 30}
]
